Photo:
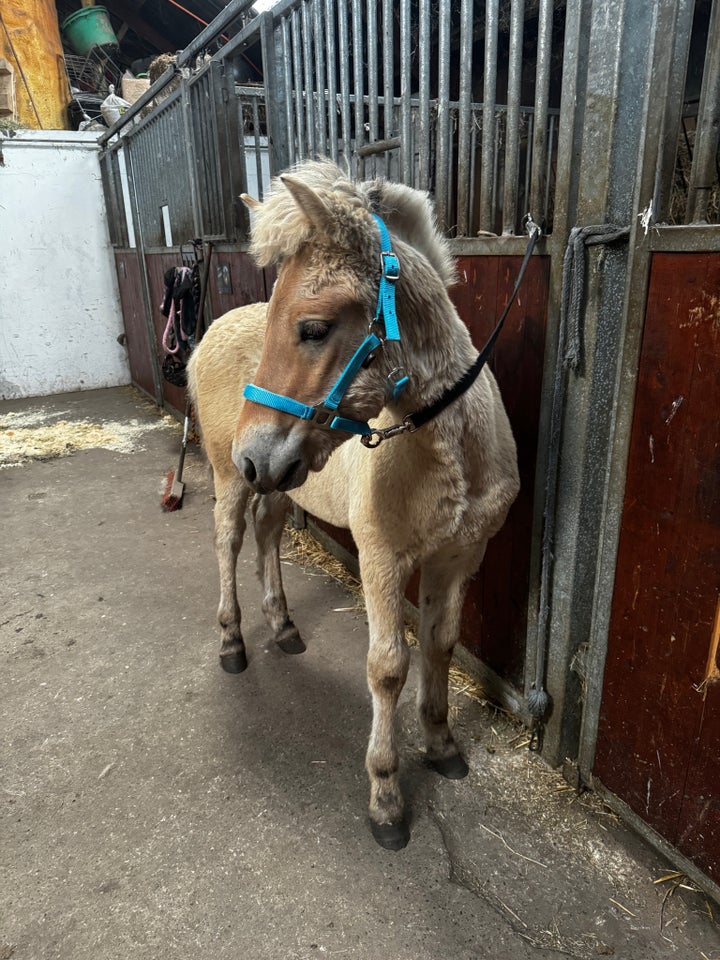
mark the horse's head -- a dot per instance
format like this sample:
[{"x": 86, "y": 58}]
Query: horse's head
[{"x": 320, "y": 312}]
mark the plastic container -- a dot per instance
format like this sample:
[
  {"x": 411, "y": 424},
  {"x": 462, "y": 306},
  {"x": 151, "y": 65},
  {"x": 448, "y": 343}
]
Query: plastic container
[{"x": 88, "y": 28}]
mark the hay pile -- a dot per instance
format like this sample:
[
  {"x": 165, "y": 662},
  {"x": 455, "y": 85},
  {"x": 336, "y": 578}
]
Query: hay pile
[{"x": 29, "y": 436}]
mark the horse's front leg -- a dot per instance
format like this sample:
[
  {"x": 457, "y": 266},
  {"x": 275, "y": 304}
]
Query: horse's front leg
[
  {"x": 269, "y": 512},
  {"x": 231, "y": 496},
  {"x": 384, "y": 580},
  {"x": 443, "y": 583}
]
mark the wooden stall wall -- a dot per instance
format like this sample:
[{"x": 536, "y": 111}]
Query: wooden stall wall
[
  {"x": 659, "y": 726},
  {"x": 133, "y": 310},
  {"x": 494, "y": 624},
  {"x": 234, "y": 280}
]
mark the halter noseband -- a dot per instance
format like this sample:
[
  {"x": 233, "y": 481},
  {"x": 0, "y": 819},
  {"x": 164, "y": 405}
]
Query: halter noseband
[{"x": 324, "y": 414}]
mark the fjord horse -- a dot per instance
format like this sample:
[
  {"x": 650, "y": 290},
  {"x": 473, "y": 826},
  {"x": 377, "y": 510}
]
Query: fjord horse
[{"x": 359, "y": 328}]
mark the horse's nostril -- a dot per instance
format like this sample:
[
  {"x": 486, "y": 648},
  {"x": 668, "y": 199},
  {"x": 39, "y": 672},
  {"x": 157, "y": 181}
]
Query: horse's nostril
[{"x": 249, "y": 471}]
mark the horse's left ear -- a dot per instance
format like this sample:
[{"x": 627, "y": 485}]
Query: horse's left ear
[
  {"x": 250, "y": 202},
  {"x": 308, "y": 201}
]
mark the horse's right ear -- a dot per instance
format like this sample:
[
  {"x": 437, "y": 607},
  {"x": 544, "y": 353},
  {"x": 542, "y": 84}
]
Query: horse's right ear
[
  {"x": 308, "y": 201},
  {"x": 250, "y": 202}
]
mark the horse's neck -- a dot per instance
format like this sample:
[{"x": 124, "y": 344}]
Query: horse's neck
[{"x": 435, "y": 344}]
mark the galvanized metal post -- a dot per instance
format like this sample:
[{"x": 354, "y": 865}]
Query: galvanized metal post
[
  {"x": 487, "y": 160},
  {"x": 299, "y": 84},
  {"x": 662, "y": 107},
  {"x": 372, "y": 76},
  {"x": 275, "y": 93},
  {"x": 443, "y": 177},
  {"x": 406, "y": 151},
  {"x": 358, "y": 86},
  {"x": 321, "y": 105},
  {"x": 609, "y": 45},
  {"x": 332, "y": 78},
  {"x": 388, "y": 75},
  {"x": 542, "y": 100},
  {"x": 344, "y": 52},
  {"x": 704, "y": 166},
  {"x": 463, "y": 175},
  {"x": 512, "y": 119}
]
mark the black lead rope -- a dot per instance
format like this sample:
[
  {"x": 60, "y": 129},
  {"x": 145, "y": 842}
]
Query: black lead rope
[{"x": 422, "y": 417}]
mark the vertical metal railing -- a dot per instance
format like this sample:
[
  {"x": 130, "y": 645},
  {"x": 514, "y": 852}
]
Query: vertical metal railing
[
  {"x": 705, "y": 171},
  {"x": 369, "y": 84}
]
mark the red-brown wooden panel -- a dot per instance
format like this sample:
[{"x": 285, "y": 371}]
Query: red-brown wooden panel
[
  {"x": 246, "y": 281},
  {"x": 495, "y": 616},
  {"x": 659, "y": 726},
  {"x": 133, "y": 311}
]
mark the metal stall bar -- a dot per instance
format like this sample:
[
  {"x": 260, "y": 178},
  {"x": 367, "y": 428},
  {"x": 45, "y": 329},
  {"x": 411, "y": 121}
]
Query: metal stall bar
[
  {"x": 704, "y": 172},
  {"x": 406, "y": 153},
  {"x": 372, "y": 85},
  {"x": 443, "y": 177},
  {"x": 299, "y": 86},
  {"x": 287, "y": 72},
  {"x": 489, "y": 139},
  {"x": 358, "y": 86},
  {"x": 344, "y": 82},
  {"x": 388, "y": 78},
  {"x": 308, "y": 73},
  {"x": 275, "y": 94},
  {"x": 464, "y": 118},
  {"x": 542, "y": 100},
  {"x": 424, "y": 95},
  {"x": 331, "y": 40},
  {"x": 512, "y": 120},
  {"x": 321, "y": 103}
]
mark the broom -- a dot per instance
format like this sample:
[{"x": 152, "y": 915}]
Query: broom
[{"x": 174, "y": 487}]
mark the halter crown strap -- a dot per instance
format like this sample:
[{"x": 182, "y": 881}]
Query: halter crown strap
[{"x": 390, "y": 271}]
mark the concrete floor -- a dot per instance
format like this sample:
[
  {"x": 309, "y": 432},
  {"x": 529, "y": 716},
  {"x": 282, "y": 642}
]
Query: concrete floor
[{"x": 156, "y": 807}]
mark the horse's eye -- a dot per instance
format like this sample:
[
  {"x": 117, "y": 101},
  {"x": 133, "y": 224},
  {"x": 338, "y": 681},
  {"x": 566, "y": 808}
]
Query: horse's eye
[{"x": 314, "y": 330}]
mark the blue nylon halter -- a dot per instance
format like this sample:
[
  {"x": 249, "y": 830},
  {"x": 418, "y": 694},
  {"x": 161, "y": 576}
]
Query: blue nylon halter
[{"x": 322, "y": 415}]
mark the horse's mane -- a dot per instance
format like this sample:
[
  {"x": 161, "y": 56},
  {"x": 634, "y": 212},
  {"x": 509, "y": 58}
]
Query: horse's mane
[{"x": 280, "y": 228}]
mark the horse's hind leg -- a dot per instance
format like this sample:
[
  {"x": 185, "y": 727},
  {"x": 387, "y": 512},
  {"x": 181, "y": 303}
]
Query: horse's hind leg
[
  {"x": 269, "y": 512},
  {"x": 443, "y": 582},
  {"x": 231, "y": 496}
]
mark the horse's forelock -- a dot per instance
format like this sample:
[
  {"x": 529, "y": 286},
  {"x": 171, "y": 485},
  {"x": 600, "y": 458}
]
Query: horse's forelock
[{"x": 281, "y": 228}]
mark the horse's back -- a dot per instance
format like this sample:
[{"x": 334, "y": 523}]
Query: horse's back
[{"x": 224, "y": 361}]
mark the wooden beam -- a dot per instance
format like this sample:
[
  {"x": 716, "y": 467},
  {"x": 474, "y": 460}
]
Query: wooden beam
[{"x": 141, "y": 27}]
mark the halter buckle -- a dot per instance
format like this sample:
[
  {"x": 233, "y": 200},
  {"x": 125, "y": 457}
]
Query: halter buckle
[{"x": 390, "y": 265}]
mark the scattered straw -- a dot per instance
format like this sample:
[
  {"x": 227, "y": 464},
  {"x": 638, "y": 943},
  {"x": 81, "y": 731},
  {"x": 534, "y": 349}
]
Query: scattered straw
[
  {"x": 28, "y": 436},
  {"x": 621, "y": 907},
  {"x": 499, "y": 836}
]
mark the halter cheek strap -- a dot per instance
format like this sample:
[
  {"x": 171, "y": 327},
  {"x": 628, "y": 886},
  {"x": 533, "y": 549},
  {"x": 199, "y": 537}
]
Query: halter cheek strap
[{"x": 323, "y": 415}]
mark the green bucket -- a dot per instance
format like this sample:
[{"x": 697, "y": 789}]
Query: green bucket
[{"x": 88, "y": 28}]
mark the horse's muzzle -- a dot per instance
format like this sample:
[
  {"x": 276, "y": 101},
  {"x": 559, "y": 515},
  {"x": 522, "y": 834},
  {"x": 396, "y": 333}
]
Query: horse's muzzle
[{"x": 270, "y": 459}]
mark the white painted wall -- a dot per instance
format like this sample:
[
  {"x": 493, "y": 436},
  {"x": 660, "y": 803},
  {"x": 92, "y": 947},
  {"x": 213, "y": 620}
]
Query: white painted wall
[{"x": 59, "y": 305}]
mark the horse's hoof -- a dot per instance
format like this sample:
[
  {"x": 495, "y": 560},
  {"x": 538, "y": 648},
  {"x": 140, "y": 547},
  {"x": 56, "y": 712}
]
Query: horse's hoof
[
  {"x": 289, "y": 639},
  {"x": 453, "y": 768},
  {"x": 234, "y": 662},
  {"x": 391, "y": 836}
]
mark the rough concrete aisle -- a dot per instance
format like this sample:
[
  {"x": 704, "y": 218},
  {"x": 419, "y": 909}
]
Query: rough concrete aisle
[{"x": 155, "y": 807}]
